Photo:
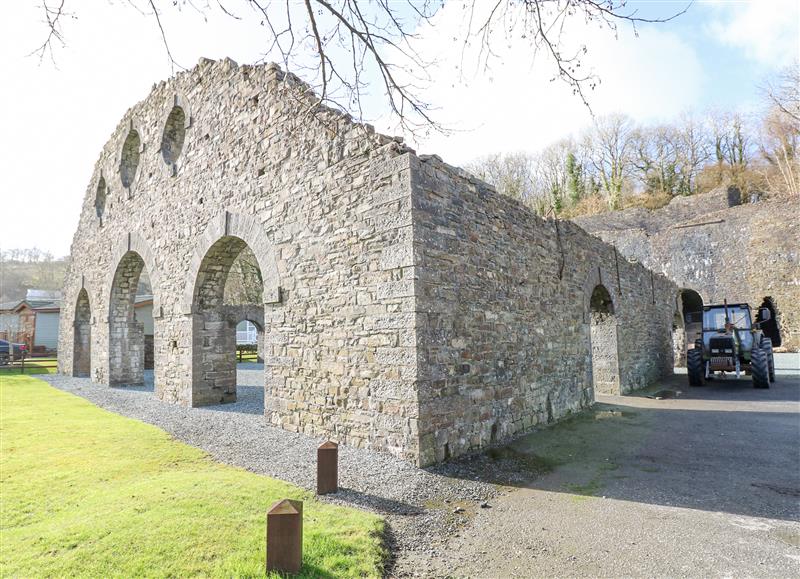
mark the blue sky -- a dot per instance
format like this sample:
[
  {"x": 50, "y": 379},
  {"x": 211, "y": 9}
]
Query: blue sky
[{"x": 56, "y": 119}]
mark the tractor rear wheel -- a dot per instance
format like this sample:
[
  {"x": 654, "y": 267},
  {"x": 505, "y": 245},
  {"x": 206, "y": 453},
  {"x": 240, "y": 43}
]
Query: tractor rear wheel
[
  {"x": 759, "y": 368},
  {"x": 766, "y": 345},
  {"x": 694, "y": 366}
]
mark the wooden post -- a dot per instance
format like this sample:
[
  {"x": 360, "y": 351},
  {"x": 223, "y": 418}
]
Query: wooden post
[
  {"x": 327, "y": 468},
  {"x": 285, "y": 537}
]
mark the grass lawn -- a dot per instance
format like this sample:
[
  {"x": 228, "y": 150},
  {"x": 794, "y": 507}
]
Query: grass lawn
[
  {"x": 89, "y": 493},
  {"x": 32, "y": 366}
]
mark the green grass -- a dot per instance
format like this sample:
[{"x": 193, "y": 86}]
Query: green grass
[
  {"x": 32, "y": 366},
  {"x": 89, "y": 493}
]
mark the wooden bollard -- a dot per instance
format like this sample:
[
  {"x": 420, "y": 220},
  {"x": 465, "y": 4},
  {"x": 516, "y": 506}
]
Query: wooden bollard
[
  {"x": 285, "y": 537},
  {"x": 327, "y": 468}
]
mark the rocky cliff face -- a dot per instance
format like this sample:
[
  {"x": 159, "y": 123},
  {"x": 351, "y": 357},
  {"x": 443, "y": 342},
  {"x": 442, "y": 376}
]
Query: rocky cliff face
[{"x": 719, "y": 247}]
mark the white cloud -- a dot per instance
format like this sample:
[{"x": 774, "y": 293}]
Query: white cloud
[{"x": 767, "y": 31}]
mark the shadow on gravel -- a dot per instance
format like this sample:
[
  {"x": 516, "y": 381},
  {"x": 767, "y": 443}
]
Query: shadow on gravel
[
  {"x": 372, "y": 502},
  {"x": 742, "y": 459},
  {"x": 249, "y": 400}
]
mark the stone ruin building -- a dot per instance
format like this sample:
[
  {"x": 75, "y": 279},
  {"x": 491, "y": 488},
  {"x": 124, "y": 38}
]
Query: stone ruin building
[{"x": 406, "y": 306}]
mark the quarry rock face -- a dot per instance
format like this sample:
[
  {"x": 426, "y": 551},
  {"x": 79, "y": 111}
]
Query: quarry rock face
[
  {"x": 406, "y": 307},
  {"x": 722, "y": 247}
]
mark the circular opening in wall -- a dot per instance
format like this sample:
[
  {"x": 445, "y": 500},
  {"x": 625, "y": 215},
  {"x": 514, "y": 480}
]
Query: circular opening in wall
[
  {"x": 173, "y": 136},
  {"x": 129, "y": 160},
  {"x": 100, "y": 197}
]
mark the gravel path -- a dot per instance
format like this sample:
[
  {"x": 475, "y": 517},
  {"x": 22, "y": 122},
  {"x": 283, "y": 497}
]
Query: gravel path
[{"x": 423, "y": 508}]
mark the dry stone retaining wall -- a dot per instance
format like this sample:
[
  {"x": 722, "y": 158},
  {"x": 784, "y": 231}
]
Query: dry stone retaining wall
[
  {"x": 407, "y": 307},
  {"x": 718, "y": 247}
]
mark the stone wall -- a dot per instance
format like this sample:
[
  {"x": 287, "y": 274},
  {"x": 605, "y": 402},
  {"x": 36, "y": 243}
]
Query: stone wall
[
  {"x": 406, "y": 306},
  {"x": 719, "y": 248},
  {"x": 503, "y": 322}
]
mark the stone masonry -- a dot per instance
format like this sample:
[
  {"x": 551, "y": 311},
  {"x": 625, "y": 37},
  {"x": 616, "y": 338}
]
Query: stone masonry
[{"x": 407, "y": 307}]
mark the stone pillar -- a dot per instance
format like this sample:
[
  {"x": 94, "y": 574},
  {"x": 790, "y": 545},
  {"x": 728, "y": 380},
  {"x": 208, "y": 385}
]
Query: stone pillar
[
  {"x": 82, "y": 349},
  {"x": 213, "y": 359},
  {"x": 126, "y": 353},
  {"x": 605, "y": 360}
]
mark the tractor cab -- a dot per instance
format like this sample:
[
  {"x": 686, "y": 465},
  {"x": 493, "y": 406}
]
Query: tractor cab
[{"x": 731, "y": 342}]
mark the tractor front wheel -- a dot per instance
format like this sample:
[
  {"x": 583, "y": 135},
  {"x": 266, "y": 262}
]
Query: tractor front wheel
[
  {"x": 694, "y": 366},
  {"x": 759, "y": 367}
]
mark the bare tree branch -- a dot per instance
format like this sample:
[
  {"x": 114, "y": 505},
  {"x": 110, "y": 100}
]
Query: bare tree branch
[{"x": 354, "y": 40}]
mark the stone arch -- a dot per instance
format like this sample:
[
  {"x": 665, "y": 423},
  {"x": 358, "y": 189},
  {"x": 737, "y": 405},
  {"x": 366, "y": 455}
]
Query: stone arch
[
  {"x": 248, "y": 230},
  {"x": 126, "y": 339},
  {"x": 82, "y": 336},
  {"x": 136, "y": 243},
  {"x": 604, "y": 344},
  {"x": 599, "y": 277},
  {"x": 691, "y": 308},
  {"x": 771, "y": 327},
  {"x": 214, "y": 322}
]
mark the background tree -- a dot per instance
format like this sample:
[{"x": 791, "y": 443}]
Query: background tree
[
  {"x": 691, "y": 141},
  {"x": 610, "y": 143},
  {"x": 29, "y": 268},
  {"x": 576, "y": 188}
]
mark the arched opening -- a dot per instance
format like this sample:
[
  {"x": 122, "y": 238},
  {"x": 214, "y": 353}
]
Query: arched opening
[
  {"x": 771, "y": 327},
  {"x": 82, "y": 344},
  {"x": 129, "y": 160},
  {"x": 173, "y": 136},
  {"x": 692, "y": 312},
  {"x": 127, "y": 327},
  {"x": 228, "y": 296},
  {"x": 603, "y": 332}
]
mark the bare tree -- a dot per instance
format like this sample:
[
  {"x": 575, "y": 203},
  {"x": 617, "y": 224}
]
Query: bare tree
[
  {"x": 511, "y": 174},
  {"x": 780, "y": 141},
  {"x": 338, "y": 46},
  {"x": 654, "y": 157},
  {"x": 610, "y": 145},
  {"x": 692, "y": 147},
  {"x": 783, "y": 92}
]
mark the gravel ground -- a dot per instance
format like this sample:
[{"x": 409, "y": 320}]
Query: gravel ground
[{"x": 423, "y": 507}]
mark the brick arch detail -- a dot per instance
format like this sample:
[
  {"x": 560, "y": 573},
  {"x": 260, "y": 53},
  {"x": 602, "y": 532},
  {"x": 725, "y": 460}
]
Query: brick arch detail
[
  {"x": 600, "y": 276},
  {"x": 249, "y": 230},
  {"x": 136, "y": 243}
]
